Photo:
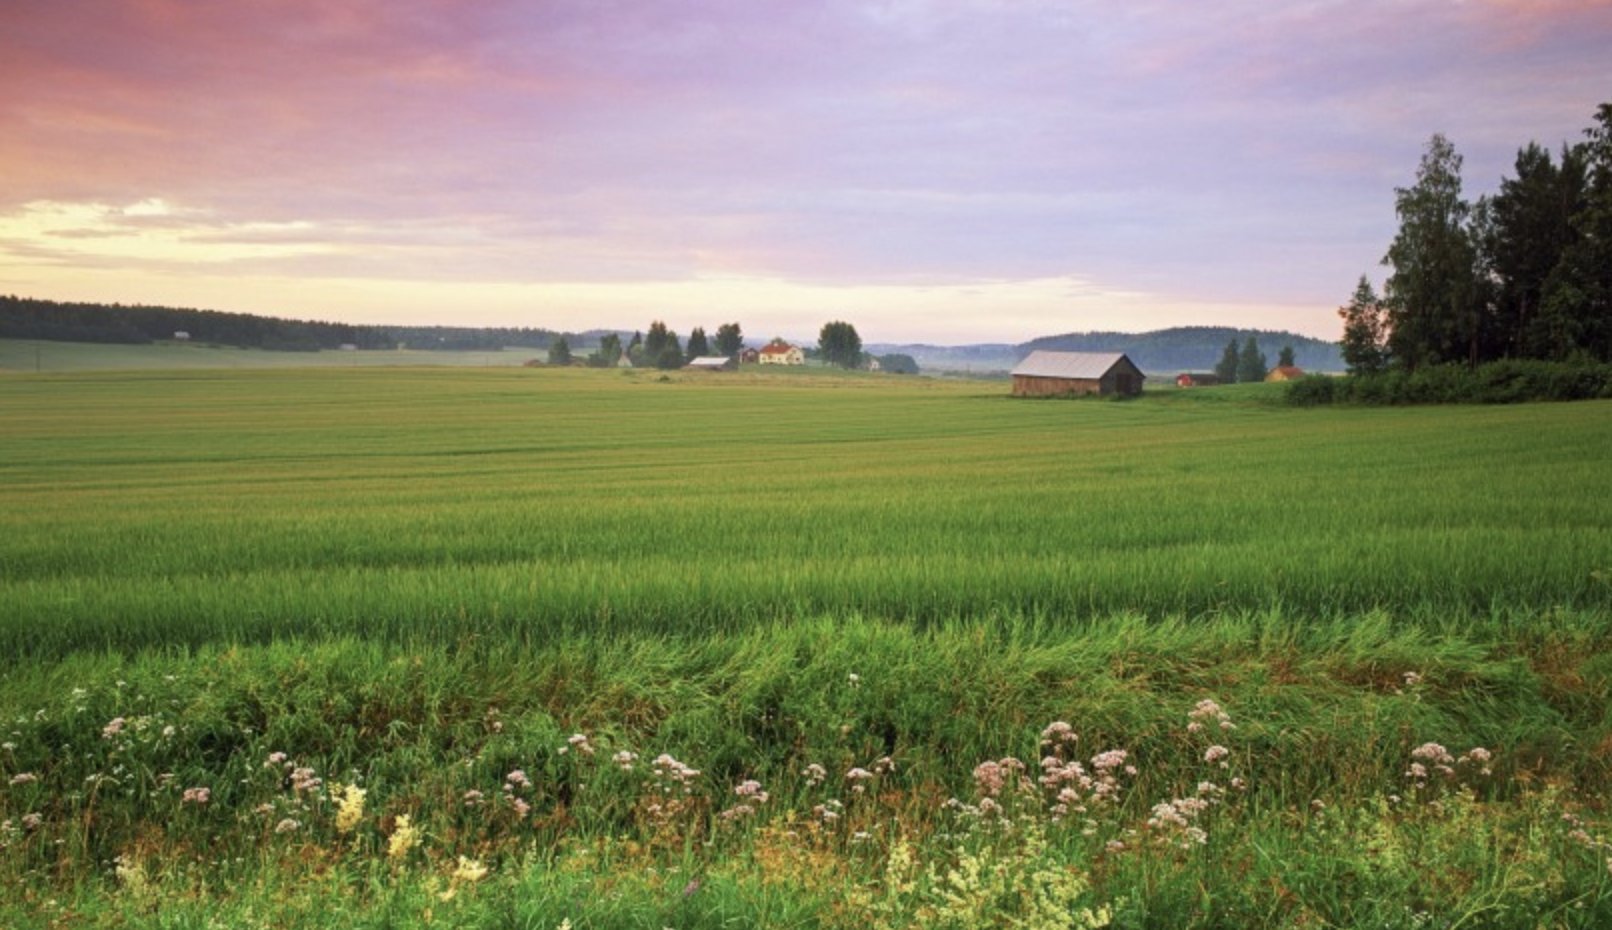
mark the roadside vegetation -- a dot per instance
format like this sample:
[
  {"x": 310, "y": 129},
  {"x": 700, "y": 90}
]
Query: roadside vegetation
[{"x": 537, "y": 648}]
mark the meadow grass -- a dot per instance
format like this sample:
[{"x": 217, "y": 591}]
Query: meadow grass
[
  {"x": 181, "y": 508},
  {"x": 422, "y": 582}
]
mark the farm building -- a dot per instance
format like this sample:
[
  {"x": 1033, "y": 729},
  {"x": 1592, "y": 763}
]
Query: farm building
[
  {"x": 1285, "y": 373},
  {"x": 779, "y": 352},
  {"x": 1048, "y": 374},
  {"x": 749, "y": 356},
  {"x": 712, "y": 363},
  {"x": 1196, "y": 379}
]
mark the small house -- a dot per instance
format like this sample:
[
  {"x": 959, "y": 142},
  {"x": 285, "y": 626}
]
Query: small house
[
  {"x": 749, "y": 356},
  {"x": 779, "y": 352},
  {"x": 1285, "y": 373},
  {"x": 712, "y": 363},
  {"x": 1052, "y": 374},
  {"x": 1196, "y": 379}
]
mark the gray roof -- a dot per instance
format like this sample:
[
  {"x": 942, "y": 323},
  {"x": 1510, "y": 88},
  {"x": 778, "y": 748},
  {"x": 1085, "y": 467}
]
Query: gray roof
[
  {"x": 1084, "y": 365},
  {"x": 709, "y": 361}
]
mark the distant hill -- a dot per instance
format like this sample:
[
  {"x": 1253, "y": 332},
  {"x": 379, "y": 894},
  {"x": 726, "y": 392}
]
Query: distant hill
[
  {"x": 27, "y": 318},
  {"x": 1164, "y": 351}
]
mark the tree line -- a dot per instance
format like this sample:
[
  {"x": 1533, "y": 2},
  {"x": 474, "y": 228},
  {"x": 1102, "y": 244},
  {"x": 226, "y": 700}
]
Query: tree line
[
  {"x": 1523, "y": 274},
  {"x": 28, "y": 318}
]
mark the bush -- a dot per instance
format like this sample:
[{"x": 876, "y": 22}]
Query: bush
[{"x": 1509, "y": 381}]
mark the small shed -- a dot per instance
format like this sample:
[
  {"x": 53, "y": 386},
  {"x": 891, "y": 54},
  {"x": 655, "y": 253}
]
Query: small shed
[
  {"x": 749, "y": 356},
  {"x": 1050, "y": 374},
  {"x": 712, "y": 363},
  {"x": 1196, "y": 379},
  {"x": 1285, "y": 373}
]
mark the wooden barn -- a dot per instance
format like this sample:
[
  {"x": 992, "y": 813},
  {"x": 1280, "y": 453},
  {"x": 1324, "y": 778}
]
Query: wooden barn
[
  {"x": 1285, "y": 373},
  {"x": 1050, "y": 374},
  {"x": 1196, "y": 379}
]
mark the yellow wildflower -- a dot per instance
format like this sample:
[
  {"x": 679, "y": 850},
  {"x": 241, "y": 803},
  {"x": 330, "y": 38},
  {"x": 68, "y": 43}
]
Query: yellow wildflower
[{"x": 405, "y": 836}]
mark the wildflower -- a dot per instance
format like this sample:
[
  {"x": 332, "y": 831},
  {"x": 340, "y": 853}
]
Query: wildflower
[
  {"x": 751, "y": 790},
  {"x": 197, "y": 796},
  {"x": 469, "y": 870},
  {"x": 32, "y": 821},
  {"x": 516, "y": 779},
  {"x": 521, "y": 807},
  {"x": 404, "y": 838},
  {"x": 350, "y": 806},
  {"x": 287, "y": 825},
  {"x": 24, "y": 778},
  {"x": 1216, "y": 753},
  {"x": 1057, "y": 734},
  {"x": 303, "y": 780},
  {"x": 474, "y": 798},
  {"x": 815, "y": 774},
  {"x": 884, "y": 765},
  {"x": 1206, "y": 710},
  {"x": 579, "y": 742},
  {"x": 854, "y": 679},
  {"x": 624, "y": 760},
  {"x": 113, "y": 728},
  {"x": 856, "y": 777},
  {"x": 274, "y": 760}
]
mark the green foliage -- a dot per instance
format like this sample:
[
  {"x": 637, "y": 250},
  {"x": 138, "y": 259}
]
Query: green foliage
[
  {"x": 1431, "y": 294},
  {"x": 1251, "y": 366},
  {"x": 1526, "y": 273},
  {"x": 609, "y": 353},
  {"x": 1226, "y": 368},
  {"x": 1365, "y": 331},
  {"x": 1285, "y": 358},
  {"x": 729, "y": 340},
  {"x": 838, "y": 344},
  {"x": 897, "y": 363},
  {"x": 698, "y": 346},
  {"x": 1505, "y": 382},
  {"x": 560, "y": 353}
]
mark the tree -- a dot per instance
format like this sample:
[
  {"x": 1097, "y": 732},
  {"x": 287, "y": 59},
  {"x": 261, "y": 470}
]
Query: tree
[
  {"x": 698, "y": 347},
  {"x": 560, "y": 352},
  {"x": 898, "y": 363},
  {"x": 1531, "y": 228},
  {"x": 1285, "y": 358},
  {"x": 838, "y": 344},
  {"x": 1577, "y": 304},
  {"x": 729, "y": 341},
  {"x": 1365, "y": 337},
  {"x": 635, "y": 349},
  {"x": 656, "y": 341},
  {"x": 1226, "y": 370},
  {"x": 1251, "y": 366},
  {"x": 1432, "y": 297},
  {"x": 609, "y": 352}
]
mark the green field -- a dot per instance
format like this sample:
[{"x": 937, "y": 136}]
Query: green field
[{"x": 422, "y": 579}]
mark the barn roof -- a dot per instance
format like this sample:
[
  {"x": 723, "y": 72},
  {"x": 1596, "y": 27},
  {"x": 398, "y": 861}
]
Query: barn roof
[
  {"x": 709, "y": 361},
  {"x": 1084, "y": 365}
]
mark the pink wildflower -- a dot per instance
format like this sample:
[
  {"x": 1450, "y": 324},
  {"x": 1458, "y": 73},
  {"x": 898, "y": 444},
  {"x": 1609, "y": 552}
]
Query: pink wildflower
[
  {"x": 113, "y": 728},
  {"x": 196, "y": 796}
]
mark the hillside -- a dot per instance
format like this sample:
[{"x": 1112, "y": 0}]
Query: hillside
[{"x": 1165, "y": 351}]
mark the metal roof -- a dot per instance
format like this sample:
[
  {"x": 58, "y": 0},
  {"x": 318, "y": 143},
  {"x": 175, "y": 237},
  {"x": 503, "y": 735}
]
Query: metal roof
[
  {"x": 709, "y": 361},
  {"x": 1084, "y": 365}
]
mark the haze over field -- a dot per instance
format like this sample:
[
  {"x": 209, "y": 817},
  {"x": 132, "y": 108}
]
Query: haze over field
[{"x": 943, "y": 172}]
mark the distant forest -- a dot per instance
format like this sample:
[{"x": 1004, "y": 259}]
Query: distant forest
[
  {"x": 26, "y": 318},
  {"x": 1192, "y": 348}
]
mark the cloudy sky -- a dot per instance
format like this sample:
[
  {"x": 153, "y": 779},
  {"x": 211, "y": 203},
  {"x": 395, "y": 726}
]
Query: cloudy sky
[{"x": 931, "y": 170}]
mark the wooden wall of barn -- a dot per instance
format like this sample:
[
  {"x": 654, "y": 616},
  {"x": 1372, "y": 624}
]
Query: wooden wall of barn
[{"x": 1031, "y": 386}]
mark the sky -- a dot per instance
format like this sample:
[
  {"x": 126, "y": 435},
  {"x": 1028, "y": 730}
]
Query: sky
[{"x": 941, "y": 171}]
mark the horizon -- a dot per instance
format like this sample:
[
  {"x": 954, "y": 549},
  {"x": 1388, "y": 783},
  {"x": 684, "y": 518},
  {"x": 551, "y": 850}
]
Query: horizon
[{"x": 951, "y": 172}]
